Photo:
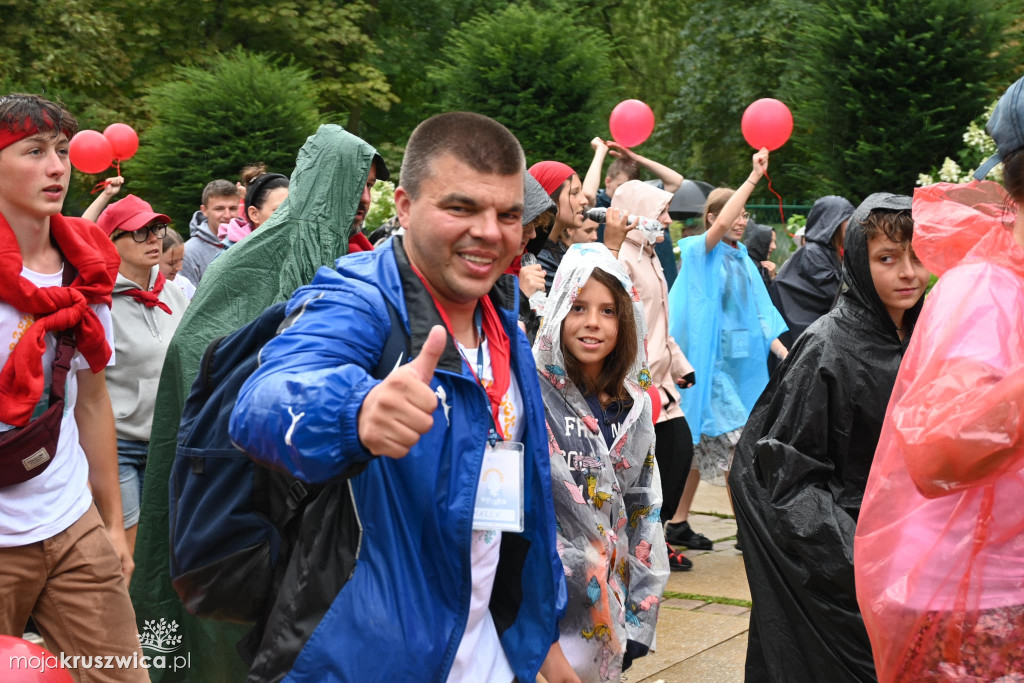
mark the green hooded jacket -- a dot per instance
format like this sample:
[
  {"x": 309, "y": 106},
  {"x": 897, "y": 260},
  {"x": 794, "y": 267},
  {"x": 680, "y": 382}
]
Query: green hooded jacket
[{"x": 309, "y": 230}]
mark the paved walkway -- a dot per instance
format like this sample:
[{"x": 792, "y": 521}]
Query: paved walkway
[{"x": 702, "y": 626}]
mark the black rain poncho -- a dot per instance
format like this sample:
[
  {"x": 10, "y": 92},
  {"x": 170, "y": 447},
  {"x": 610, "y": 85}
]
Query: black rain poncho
[
  {"x": 799, "y": 475},
  {"x": 758, "y": 239},
  {"x": 807, "y": 285}
]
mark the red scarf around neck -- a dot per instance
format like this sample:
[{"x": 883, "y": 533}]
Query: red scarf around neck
[
  {"x": 150, "y": 298},
  {"x": 95, "y": 258},
  {"x": 498, "y": 345}
]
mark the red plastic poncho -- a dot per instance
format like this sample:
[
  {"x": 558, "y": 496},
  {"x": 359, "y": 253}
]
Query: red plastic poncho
[{"x": 939, "y": 550}]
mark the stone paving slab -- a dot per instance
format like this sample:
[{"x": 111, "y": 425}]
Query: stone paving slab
[
  {"x": 711, "y": 498},
  {"x": 722, "y": 663},
  {"x": 676, "y": 603},
  {"x": 720, "y": 574},
  {"x": 714, "y": 528},
  {"x": 683, "y": 634},
  {"x": 725, "y": 610}
]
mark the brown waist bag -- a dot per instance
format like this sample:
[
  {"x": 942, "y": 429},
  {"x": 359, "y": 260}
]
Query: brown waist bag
[{"x": 26, "y": 451}]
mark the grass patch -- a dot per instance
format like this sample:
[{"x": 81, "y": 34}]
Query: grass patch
[
  {"x": 727, "y": 538},
  {"x": 720, "y": 515},
  {"x": 667, "y": 595}
]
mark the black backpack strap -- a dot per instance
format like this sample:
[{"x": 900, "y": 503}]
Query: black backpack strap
[
  {"x": 65, "y": 347},
  {"x": 396, "y": 346}
]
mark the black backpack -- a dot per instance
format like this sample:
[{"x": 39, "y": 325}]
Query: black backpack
[{"x": 232, "y": 520}]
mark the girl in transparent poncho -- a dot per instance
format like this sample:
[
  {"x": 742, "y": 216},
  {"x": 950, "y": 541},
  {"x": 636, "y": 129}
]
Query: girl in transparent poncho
[{"x": 591, "y": 357}]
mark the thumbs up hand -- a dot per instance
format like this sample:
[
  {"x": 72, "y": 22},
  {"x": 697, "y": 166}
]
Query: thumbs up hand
[{"x": 399, "y": 410}]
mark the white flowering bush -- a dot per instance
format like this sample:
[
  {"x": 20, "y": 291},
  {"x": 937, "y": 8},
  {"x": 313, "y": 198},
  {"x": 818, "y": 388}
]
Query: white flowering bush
[{"x": 979, "y": 147}]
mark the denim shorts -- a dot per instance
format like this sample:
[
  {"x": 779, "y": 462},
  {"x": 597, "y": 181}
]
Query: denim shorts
[{"x": 131, "y": 466}]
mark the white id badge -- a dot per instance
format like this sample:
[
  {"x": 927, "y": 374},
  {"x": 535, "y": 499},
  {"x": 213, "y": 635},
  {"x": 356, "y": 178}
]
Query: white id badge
[{"x": 499, "y": 497}]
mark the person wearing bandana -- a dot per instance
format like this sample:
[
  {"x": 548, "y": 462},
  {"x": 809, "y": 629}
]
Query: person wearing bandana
[
  {"x": 64, "y": 558},
  {"x": 146, "y": 314}
]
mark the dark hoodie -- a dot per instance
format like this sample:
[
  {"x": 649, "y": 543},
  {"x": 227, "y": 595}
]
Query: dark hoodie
[
  {"x": 806, "y": 287},
  {"x": 758, "y": 239},
  {"x": 535, "y": 202},
  {"x": 799, "y": 475}
]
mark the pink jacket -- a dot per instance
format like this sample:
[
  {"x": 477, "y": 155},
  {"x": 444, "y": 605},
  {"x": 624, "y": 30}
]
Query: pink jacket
[{"x": 664, "y": 356}]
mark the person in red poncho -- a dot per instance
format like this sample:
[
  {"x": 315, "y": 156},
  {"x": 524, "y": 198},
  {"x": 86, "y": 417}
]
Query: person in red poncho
[
  {"x": 939, "y": 550},
  {"x": 64, "y": 559}
]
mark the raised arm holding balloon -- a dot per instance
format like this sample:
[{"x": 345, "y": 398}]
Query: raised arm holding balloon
[
  {"x": 730, "y": 222},
  {"x": 111, "y": 186}
]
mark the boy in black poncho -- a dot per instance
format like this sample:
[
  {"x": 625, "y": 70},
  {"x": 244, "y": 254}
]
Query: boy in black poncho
[{"x": 802, "y": 463}]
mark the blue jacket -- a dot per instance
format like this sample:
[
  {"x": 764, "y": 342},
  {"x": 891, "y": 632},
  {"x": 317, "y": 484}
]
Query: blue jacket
[{"x": 403, "y": 609}]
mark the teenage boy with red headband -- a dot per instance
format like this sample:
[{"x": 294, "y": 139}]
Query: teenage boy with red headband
[
  {"x": 63, "y": 555},
  {"x": 453, "y": 572}
]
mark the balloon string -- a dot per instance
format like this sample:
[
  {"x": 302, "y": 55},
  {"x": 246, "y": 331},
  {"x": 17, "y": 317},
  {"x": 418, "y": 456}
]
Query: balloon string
[
  {"x": 772, "y": 190},
  {"x": 99, "y": 186}
]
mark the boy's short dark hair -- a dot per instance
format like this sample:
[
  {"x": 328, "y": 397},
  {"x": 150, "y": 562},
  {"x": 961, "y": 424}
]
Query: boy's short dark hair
[
  {"x": 627, "y": 166},
  {"x": 478, "y": 141},
  {"x": 19, "y": 112},
  {"x": 219, "y": 188},
  {"x": 898, "y": 226}
]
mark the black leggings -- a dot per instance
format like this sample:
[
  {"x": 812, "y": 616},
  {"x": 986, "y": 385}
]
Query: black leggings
[{"x": 674, "y": 451}]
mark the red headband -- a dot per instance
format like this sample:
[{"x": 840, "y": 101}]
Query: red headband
[
  {"x": 551, "y": 174},
  {"x": 9, "y": 137}
]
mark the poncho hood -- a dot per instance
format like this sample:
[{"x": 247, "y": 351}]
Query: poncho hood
[
  {"x": 535, "y": 200},
  {"x": 825, "y": 217},
  {"x": 858, "y": 286},
  {"x": 758, "y": 239},
  {"x": 640, "y": 199},
  {"x": 950, "y": 220},
  {"x": 574, "y": 271}
]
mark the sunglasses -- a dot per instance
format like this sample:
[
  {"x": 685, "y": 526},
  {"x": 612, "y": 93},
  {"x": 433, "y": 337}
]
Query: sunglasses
[{"x": 142, "y": 234}]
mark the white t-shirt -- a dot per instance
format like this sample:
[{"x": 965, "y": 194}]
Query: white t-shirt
[
  {"x": 480, "y": 656},
  {"x": 185, "y": 285},
  {"x": 55, "y": 499}
]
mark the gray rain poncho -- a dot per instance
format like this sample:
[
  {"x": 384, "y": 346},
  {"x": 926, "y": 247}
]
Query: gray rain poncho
[
  {"x": 607, "y": 500},
  {"x": 799, "y": 475},
  {"x": 806, "y": 287}
]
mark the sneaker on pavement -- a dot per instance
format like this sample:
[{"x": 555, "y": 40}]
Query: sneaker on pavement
[
  {"x": 678, "y": 561},
  {"x": 682, "y": 534}
]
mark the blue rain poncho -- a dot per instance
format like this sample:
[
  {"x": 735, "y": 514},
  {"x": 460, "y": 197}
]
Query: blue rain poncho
[{"x": 724, "y": 322}]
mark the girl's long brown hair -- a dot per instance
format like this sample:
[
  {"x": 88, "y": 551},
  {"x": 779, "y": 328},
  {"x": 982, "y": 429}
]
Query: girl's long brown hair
[{"x": 612, "y": 379}]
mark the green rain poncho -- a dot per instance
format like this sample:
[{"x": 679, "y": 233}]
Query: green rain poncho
[{"x": 309, "y": 230}]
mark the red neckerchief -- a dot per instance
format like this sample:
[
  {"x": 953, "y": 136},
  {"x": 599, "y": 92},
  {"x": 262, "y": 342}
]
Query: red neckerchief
[
  {"x": 151, "y": 298},
  {"x": 515, "y": 266},
  {"x": 358, "y": 242},
  {"x": 498, "y": 345},
  {"x": 93, "y": 255}
]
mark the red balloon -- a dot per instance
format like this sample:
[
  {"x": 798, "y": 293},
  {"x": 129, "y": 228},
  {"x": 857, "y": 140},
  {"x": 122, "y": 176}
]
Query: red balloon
[
  {"x": 25, "y": 662},
  {"x": 91, "y": 152},
  {"x": 123, "y": 140},
  {"x": 767, "y": 123},
  {"x": 655, "y": 402},
  {"x": 631, "y": 122}
]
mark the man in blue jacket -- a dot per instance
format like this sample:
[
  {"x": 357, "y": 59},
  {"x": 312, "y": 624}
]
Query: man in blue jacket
[{"x": 434, "y": 557}]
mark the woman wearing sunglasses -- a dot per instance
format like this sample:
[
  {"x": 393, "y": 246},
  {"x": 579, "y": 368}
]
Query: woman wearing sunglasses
[{"x": 145, "y": 315}]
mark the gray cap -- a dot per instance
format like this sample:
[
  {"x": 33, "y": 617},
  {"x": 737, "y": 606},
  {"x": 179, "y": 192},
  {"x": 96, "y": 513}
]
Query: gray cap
[{"x": 1006, "y": 126}]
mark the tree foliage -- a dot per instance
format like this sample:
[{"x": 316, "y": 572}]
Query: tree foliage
[
  {"x": 517, "y": 67},
  {"x": 728, "y": 59},
  {"x": 884, "y": 88},
  {"x": 210, "y": 121}
]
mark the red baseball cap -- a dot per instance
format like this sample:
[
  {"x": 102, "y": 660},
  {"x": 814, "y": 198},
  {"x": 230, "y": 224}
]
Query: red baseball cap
[{"x": 129, "y": 214}]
